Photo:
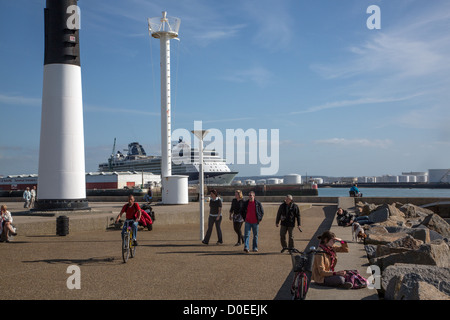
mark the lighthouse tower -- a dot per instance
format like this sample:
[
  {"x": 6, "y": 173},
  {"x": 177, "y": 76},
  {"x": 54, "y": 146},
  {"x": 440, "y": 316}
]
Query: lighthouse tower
[
  {"x": 174, "y": 188},
  {"x": 61, "y": 181}
]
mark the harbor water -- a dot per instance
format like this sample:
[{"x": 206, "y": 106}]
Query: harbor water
[{"x": 387, "y": 192}]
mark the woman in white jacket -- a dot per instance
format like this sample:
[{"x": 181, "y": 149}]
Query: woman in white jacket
[{"x": 6, "y": 220}]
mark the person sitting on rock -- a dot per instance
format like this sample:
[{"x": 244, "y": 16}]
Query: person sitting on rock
[
  {"x": 344, "y": 218},
  {"x": 354, "y": 191}
]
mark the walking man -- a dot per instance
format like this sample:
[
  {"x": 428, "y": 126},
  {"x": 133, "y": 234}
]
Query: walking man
[
  {"x": 288, "y": 213},
  {"x": 33, "y": 197},
  {"x": 27, "y": 198},
  {"x": 252, "y": 213}
]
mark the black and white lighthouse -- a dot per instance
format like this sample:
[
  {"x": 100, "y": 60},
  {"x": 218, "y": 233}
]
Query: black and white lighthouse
[{"x": 62, "y": 181}]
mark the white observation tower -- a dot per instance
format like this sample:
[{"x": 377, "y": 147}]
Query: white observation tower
[{"x": 174, "y": 188}]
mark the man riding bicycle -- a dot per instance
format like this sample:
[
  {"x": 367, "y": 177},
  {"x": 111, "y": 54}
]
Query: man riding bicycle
[{"x": 133, "y": 215}]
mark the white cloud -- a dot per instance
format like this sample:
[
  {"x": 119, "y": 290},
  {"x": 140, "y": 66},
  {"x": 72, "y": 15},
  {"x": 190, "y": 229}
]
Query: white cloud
[
  {"x": 351, "y": 103},
  {"x": 92, "y": 108},
  {"x": 20, "y": 100},
  {"x": 415, "y": 48},
  {"x": 259, "y": 75},
  {"x": 342, "y": 142}
]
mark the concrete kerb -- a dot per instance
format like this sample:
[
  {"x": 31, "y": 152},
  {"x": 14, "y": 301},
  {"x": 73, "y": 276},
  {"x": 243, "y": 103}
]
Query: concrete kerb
[{"x": 355, "y": 259}]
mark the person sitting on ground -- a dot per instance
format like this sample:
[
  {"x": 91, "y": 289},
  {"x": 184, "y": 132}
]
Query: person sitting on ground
[
  {"x": 323, "y": 272},
  {"x": 344, "y": 218},
  {"x": 146, "y": 220},
  {"x": 6, "y": 221}
]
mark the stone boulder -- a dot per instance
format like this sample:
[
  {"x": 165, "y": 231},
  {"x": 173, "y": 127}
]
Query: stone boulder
[
  {"x": 403, "y": 244},
  {"x": 368, "y": 208},
  {"x": 436, "y": 223},
  {"x": 374, "y": 228},
  {"x": 371, "y": 251},
  {"x": 413, "y": 211},
  {"x": 380, "y": 215},
  {"x": 408, "y": 242},
  {"x": 433, "y": 234},
  {"x": 398, "y": 279},
  {"x": 435, "y": 254},
  {"x": 394, "y": 211},
  {"x": 379, "y": 238},
  {"x": 417, "y": 233},
  {"x": 411, "y": 289}
]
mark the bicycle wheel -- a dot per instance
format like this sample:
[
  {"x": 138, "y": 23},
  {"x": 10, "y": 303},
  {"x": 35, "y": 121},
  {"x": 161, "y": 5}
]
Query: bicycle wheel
[
  {"x": 299, "y": 286},
  {"x": 294, "y": 286},
  {"x": 126, "y": 246},
  {"x": 132, "y": 246},
  {"x": 303, "y": 287}
]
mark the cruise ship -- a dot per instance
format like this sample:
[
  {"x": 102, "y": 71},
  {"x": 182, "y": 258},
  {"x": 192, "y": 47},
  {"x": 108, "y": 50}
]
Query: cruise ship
[{"x": 185, "y": 161}]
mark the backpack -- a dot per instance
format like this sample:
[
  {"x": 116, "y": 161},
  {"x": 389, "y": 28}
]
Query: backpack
[{"x": 357, "y": 281}]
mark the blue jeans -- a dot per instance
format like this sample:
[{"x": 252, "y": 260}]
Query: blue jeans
[
  {"x": 134, "y": 227},
  {"x": 363, "y": 220},
  {"x": 251, "y": 227}
]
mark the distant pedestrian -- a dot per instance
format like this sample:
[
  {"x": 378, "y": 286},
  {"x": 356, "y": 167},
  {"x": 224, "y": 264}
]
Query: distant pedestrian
[
  {"x": 27, "y": 198},
  {"x": 215, "y": 217},
  {"x": 33, "y": 197},
  {"x": 288, "y": 214},
  {"x": 354, "y": 191},
  {"x": 236, "y": 216},
  {"x": 149, "y": 195},
  {"x": 252, "y": 213}
]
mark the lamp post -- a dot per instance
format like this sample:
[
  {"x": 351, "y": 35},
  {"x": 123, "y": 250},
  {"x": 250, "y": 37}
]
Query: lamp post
[
  {"x": 200, "y": 134},
  {"x": 174, "y": 187}
]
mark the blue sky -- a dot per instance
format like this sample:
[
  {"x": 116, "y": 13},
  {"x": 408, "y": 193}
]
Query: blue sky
[{"x": 347, "y": 100}]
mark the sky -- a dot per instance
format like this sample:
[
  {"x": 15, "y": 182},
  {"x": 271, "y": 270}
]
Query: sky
[{"x": 334, "y": 97}]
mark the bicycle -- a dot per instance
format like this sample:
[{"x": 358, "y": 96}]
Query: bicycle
[
  {"x": 128, "y": 248},
  {"x": 302, "y": 267}
]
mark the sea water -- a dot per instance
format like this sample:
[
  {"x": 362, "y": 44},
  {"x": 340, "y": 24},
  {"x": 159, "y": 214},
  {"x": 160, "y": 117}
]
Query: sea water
[{"x": 387, "y": 192}]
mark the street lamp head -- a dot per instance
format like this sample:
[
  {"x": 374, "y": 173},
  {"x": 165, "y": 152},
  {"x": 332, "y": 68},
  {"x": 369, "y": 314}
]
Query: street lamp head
[{"x": 200, "y": 134}]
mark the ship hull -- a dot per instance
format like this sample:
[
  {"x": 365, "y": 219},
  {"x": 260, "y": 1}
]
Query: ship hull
[{"x": 221, "y": 178}]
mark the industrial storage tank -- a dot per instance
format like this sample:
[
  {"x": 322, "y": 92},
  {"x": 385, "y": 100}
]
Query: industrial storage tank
[
  {"x": 292, "y": 179},
  {"x": 423, "y": 178},
  {"x": 393, "y": 179},
  {"x": 250, "y": 182},
  {"x": 438, "y": 175},
  {"x": 317, "y": 180},
  {"x": 273, "y": 181}
]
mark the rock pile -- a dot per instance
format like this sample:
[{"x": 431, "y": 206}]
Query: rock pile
[{"x": 410, "y": 245}]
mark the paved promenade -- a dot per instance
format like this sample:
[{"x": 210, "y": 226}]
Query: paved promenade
[{"x": 171, "y": 261}]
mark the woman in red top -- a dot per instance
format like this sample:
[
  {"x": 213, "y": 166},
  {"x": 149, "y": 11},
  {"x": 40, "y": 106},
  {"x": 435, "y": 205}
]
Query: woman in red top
[{"x": 133, "y": 215}]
